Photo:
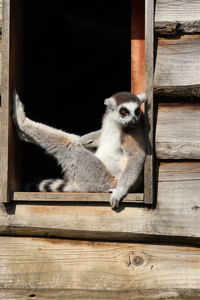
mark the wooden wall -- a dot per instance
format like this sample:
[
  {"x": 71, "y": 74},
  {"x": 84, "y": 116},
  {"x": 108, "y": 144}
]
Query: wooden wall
[{"x": 38, "y": 259}]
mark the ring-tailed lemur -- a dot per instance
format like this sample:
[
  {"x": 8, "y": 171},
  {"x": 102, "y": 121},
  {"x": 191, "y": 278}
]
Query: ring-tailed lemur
[{"x": 117, "y": 164}]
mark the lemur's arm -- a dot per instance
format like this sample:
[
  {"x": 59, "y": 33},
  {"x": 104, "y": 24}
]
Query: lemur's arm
[{"x": 131, "y": 176}]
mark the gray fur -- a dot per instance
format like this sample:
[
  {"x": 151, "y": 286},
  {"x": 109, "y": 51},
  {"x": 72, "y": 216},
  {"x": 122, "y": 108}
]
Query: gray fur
[{"x": 83, "y": 170}]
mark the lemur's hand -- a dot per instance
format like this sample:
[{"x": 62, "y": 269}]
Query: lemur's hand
[
  {"x": 117, "y": 195},
  {"x": 18, "y": 115}
]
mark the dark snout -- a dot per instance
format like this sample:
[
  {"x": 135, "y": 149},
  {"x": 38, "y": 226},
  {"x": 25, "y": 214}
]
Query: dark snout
[{"x": 131, "y": 123}]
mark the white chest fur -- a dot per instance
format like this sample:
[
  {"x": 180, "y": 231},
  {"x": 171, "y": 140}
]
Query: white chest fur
[{"x": 110, "y": 151}]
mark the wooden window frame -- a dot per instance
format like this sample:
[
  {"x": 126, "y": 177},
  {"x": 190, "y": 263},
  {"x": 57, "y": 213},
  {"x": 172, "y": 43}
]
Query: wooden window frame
[{"x": 12, "y": 61}]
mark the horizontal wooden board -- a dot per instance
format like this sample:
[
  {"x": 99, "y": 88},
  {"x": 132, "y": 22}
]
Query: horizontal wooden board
[
  {"x": 73, "y": 197},
  {"x": 176, "y": 216},
  {"x": 177, "y": 28},
  {"x": 173, "y": 17},
  {"x": 176, "y": 10},
  {"x": 63, "y": 294},
  {"x": 36, "y": 264},
  {"x": 178, "y": 131},
  {"x": 178, "y": 62}
]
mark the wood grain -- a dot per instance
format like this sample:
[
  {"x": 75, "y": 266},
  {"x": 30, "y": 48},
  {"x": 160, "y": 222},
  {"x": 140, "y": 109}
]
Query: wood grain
[
  {"x": 73, "y": 197},
  {"x": 178, "y": 131},
  {"x": 4, "y": 145},
  {"x": 63, "y": 294},
  {"x": 178, "y": 62},
  {"x": 177, "y": 28},
  {"x": 55, "y": 264},
  {"x": 177, "y": 18},
  {"x": 176, "y": 10},
  {"x": 12, "y": 68},
  {"x": 189, "y": 92},
  {"x": 149, "y": 178},
  {"x": 176, "y": 216}
]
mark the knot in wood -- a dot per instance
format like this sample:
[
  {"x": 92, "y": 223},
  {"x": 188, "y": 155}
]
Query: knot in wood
[{"x": 138, "y": 260}]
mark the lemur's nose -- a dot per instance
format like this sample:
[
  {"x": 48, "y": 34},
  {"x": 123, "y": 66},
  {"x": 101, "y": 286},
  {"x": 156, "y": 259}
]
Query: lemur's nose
[{"x": 131, "y": 123}]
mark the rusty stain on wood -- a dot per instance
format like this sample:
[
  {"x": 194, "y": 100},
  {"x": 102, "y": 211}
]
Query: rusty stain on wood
[{"x": 138, "y": 68}]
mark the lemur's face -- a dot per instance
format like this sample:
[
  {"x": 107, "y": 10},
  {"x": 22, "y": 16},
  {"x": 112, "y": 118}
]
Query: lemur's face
[{"x": 125, "y": 108}]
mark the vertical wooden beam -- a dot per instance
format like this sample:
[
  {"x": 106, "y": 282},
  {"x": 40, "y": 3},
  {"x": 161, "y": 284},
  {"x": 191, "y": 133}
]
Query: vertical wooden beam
[
  {"x": 149, "y": 174},
  {"x": 5, "y": 94},
  {"x": 12, "y": 70}
]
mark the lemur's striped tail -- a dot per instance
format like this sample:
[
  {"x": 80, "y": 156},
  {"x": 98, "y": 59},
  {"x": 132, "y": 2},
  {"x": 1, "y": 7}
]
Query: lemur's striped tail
[
  {"x": 47, "y": 185},
  {"x": 52, "y": 185}
]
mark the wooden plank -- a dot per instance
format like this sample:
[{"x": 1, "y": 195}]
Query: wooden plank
[
  {"x": 177, "y": 62},
  {"x": 176, "y": 10},
  {"x": 178, "y": 131},
  {"x": 177, "y": 28},
  {"x": 12, "y": 68},
  {"x": 175, "y": 18},
  {"x": 52, "y": 294},
  {"x": 5, "y": 103},
  {"x": 36, "y": 264},
  {"x": 73, "y": 197},
  {"x": 149, "y": 174},
  {"x": 175, "y": 218},
  {"x": 182, "y": 92}
]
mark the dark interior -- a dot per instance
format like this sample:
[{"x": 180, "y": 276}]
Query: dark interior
[{"x": 77, "y": 53}]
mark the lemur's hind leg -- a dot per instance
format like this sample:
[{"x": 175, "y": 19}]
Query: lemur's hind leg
[
  {"x": 25, "y": 126},
  {"x": 79, "y": 165}
]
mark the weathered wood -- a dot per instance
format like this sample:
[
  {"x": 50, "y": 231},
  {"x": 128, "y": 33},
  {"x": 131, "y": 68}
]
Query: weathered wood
[
  {"x": 35, "y": 264},
  {"x": 12, "y": 68},
  {"x": 137, "y": 294},
  {"x": 74, "y": 197},
  {"x": 178, "y": 131},
  {"x": 176, "y": 10},
  {"x": 149, "y": 178},
  {"x": 178, "y": 62},
  {"x": 176, "y": 216},
  {"x": 182, "y": 92},
  {"x": 5, "y": 103},
  {"x": 177, "y": 28}
]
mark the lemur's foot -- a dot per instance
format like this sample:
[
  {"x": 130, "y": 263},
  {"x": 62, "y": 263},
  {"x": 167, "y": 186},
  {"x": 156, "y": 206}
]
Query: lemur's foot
[
  {"x": 18, "y": 110},
  {"x": 18, "y": 115}
]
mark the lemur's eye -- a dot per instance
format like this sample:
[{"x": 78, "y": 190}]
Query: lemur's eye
[
  {"x": 137, "y": 111},
  {"x": 123, "y": 111}
]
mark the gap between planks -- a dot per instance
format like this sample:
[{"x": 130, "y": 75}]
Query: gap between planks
[{"x": 73, "y": 197}]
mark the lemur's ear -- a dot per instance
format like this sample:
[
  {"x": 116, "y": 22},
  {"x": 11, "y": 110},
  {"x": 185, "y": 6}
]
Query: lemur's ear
[
  {"x": 141, "y": 97},
  {"x": 110, "y": 102}
]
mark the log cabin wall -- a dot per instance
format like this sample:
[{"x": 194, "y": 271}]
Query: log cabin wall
[{"x": 136, "y": 256}]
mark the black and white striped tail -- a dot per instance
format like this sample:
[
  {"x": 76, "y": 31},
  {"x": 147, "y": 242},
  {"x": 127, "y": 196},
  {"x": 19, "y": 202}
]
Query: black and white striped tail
[{"x": 52, "y": 185}]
